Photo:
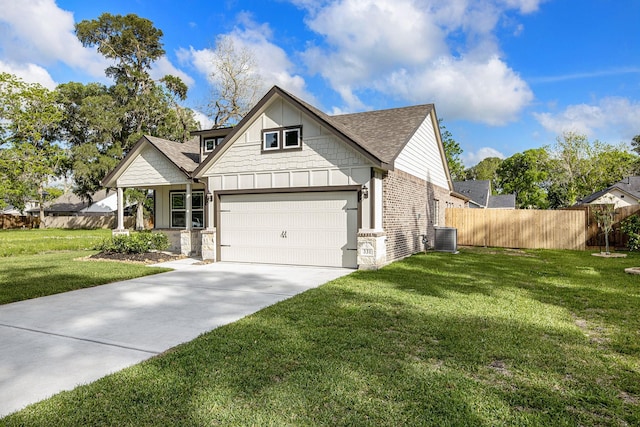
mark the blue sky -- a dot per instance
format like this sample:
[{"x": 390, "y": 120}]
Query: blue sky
[{"x": 505, "y": 75}]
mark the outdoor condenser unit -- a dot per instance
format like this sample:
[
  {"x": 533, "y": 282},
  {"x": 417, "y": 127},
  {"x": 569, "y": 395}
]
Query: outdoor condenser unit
[{"x": 446, "y": 239}]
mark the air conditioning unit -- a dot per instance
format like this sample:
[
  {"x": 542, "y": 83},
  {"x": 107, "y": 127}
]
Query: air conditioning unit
[{"x": 446, "y": 239}]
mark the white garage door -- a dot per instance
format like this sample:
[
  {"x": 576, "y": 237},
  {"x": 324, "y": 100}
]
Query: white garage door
[{"x": 314, "y": 228}]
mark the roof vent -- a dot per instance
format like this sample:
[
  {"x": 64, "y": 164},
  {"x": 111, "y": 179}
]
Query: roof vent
[{"x": 446, "y": 239}]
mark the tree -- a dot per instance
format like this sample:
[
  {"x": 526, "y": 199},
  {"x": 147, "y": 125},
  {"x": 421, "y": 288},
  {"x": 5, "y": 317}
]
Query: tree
[
  {"x": 526, "y": 175},
  {"x": 635, "y": 144},
  {"x": 236, "y": 83},
  {"x": 29, "y": 154},
  {"x": 452, "y": 152},
  {"x": 605, "y": 217},
  {"x": 580, "y": 167},
  {"x": 487, "y": 169},
  {"x": 103, "y": 123}
]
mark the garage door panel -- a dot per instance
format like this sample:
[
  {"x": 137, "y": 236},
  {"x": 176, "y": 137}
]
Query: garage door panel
[{"x": 290, "y": 228}]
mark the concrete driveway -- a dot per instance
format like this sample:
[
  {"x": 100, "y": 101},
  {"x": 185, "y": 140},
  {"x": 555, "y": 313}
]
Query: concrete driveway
[{"x": 57, "y": 342}]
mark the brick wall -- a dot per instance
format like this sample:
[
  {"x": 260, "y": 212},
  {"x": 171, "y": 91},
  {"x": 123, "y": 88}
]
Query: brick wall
[{"x": 409, "y": 212}]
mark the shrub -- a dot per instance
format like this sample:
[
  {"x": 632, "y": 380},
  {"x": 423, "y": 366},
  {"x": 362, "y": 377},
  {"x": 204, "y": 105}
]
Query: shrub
[
  {"x": 135, "y": 243},
  {"x": 631, "y": 227}
]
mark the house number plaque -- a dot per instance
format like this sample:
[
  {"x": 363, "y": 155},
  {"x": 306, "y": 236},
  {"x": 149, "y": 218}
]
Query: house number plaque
[{"x": 283, "y": 234}]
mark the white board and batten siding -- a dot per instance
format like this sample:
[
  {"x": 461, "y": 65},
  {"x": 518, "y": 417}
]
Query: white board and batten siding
[
  {"x": 324, "y": 160},
  {"x": 318, "y": 229},
  {"x": 421, "y": 156},
  {"x": 151, "y": 168}
]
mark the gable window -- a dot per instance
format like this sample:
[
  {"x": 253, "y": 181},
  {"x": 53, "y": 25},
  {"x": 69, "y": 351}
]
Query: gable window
[
  {"x": 211, "y": 143},
  {"x": 292, "y": 138},
  {"x": 179, "y": 209},
  {"x": 271, "y": 140},
  {"x": 282, "y": 139}
]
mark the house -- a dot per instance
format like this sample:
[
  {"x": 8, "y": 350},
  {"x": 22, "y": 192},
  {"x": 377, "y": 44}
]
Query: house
[
  {"x": 480, "y": 197},
  {"x": 69, "y": 204},
  {"x": 623, "y": 193},
  {"x": 290, "y": 184}
]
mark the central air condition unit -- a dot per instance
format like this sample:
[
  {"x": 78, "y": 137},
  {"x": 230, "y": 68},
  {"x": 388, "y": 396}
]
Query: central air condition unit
[{"x": 446, "y": 239}]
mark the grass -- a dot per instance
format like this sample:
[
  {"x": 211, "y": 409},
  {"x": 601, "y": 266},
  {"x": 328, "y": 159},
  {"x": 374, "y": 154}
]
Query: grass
[
  {"x": 31, "y": 242},
  {"x": 482, "y": 338},
  {"x": 35, "y": 263}
]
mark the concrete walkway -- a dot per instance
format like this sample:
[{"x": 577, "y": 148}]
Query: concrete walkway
[{"x": 55, "y": 343}]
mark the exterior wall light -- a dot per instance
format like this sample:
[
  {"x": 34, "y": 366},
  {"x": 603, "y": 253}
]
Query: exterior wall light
[{"x": 365, "y": 192}]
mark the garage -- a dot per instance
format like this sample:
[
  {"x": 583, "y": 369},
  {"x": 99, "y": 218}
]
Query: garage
[{"x": 309, "y": 228}]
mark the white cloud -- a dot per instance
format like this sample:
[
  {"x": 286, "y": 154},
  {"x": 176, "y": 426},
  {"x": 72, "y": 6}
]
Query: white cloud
[
  {"x": 613, "y": 116},
  {"x": 30, "y": 73},
  {"x": 38, "y": 32},
  {"x": 274, "y": 66},
  {"x": 471, "y": 159},
  {"x": 485, "y": 91},
  {"x": 411, "y": 49},
  {"x": 203, "y": 119}
]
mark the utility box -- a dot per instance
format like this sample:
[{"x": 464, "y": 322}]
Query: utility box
[{"x": 446, "y": 239}]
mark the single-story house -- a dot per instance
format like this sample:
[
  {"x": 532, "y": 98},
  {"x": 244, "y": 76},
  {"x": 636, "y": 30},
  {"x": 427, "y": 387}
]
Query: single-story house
[
  {"x": 480, "y": 197},
  {"x": 290, "y": 184},
  {"x": 69, "y": 204},
  {"x": 625, "y": 192}
]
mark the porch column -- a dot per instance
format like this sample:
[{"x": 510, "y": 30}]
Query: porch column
[
  {"x": 120, "y": 214},
  {"x": 186, "y": 246},
  {"x": 188, "y": 208}
]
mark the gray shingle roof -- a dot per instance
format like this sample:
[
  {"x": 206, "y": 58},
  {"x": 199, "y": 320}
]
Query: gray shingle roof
[
  {"x": 630, "y": 185},
  {"x": 384, "y": 132},
  {"x": 476, "y": 190},
  {"x": 185, "y": 155},
  {"x": 502, "y": 201}
]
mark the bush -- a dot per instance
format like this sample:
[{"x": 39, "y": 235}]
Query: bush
[
  {"x": 135, "y": 243},
  {"x": 631, "y": 227}
]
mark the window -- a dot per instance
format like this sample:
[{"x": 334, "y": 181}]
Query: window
[
  {"x": 292, "y": 138},
  {"x": 282, "y": 139},
  {"x": 211, "y": 143},
  {"x": 436, "y": 212},
  {"x": 271, "y": 140},
  {"x": 179, "y": 209}
]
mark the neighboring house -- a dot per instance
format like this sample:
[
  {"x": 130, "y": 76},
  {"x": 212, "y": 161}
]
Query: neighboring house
[
  {"x": 623, "y": 193},
  {"x": 479, "y": 194},
  {"x": 69, "y": 204},
  {"x": 290, "y": 184},
  {"x": 12, "y": 210}
]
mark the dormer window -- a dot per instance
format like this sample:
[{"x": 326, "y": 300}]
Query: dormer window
[
  {"x": 209, "y": 144},
  {"x": 289, "y": 138}
]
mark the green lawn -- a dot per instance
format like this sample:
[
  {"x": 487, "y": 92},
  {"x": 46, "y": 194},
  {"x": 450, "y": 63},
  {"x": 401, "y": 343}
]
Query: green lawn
[
  {"x": 481, "y": 338},
  {"x": 35, "y": 263},
  {"x": 31, "y": 242}
]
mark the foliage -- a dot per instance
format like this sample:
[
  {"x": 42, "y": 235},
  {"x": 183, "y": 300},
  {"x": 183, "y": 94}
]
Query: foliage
[
  {"x": 487, "y": 169},
  {"x": 103, "y": 123},
  {"x": 580, "y": 167},
  {"x": 631, "y": 227},
  {"x": 605, "y": 217},
  {"x": 134, "y": 243},
  {"x": 236, "y": 83},
  {"x": 483, "y": 338},
  {"x": 452, "y": 152},
  {"x": 29, "y": 154},
  {"x": 525, "y": 174}
]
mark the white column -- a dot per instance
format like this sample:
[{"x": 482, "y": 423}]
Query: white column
[
  {"x": 120, "y": 209},
  {"x": 188, "y": 208}
]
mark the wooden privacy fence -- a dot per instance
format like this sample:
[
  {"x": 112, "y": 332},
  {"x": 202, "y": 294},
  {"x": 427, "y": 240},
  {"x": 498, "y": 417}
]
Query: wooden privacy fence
[
  {"x": 595, "y": 236},
  {"x": 18, "y": 221},
  {"x": 520, "y": 228}
]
